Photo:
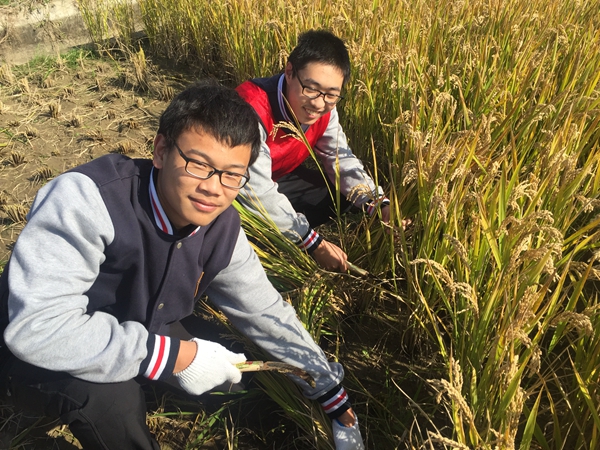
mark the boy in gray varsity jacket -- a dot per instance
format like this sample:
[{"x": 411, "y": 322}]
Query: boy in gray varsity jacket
[{"x": 117, "y": 250}]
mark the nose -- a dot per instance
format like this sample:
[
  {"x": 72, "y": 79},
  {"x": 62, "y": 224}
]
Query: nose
[
  {"x": 211, "y": 184},
  {"x": 319, "y": 102}
]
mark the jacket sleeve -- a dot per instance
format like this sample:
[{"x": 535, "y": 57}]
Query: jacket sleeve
[
  {"x": 333, "y": 151},
  {"x": 54, "y": 262},
  {"x": 245, "y": 295},
  {"x": 261, "y": 196}
]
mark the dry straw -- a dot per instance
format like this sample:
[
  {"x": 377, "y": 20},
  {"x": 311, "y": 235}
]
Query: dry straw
[
  {"x": 125, "y": 147},
  {"x": 16, "y": 158},
  {"x": 16, "y": 213},
  {"x": 42, "y": 174},
  {"x": 54, "y": 109}
]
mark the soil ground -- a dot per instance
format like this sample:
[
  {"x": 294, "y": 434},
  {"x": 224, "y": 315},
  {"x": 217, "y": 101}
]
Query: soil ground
[{"x": 57, "y": 114}]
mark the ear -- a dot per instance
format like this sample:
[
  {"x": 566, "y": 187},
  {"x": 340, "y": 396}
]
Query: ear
[
  {"x": 160, "y": 151},
  {"x": 289, "y": 72}
]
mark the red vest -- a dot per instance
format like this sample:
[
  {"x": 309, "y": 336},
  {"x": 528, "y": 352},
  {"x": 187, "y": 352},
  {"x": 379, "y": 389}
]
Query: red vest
[{"x": 287, "y": 152}]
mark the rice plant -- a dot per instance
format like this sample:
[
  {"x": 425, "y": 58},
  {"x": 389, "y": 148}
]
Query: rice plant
[{"x": 108, "y": 19}]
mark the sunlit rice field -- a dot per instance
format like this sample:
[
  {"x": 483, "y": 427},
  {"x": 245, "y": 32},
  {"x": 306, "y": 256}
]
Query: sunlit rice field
[{"x": 479, "y": 326}]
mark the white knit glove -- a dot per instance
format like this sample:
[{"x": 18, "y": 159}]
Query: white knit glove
[
  {"x": 347, "y": 438},
  {"x": 212, "y": 366}
]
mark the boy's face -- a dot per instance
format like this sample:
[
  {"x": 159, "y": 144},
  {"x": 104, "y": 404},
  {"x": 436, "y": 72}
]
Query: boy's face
[
  {"x": 322, "y": 77},
  {"x": 189, "y": 200}
]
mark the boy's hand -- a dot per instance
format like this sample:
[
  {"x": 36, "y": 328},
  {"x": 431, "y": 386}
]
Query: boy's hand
[
  {"x": 385, "y": 219},
  {"x": 348, "y": 418},
  {"x": 385, "y": 214},
  {"x": 330, "y": 257},
  {"x": 212, "y": 366}
]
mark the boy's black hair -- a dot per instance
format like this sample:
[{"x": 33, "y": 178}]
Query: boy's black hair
[
  {"x": 214, "y": 109},
  {"x": 320, "y": 46}
]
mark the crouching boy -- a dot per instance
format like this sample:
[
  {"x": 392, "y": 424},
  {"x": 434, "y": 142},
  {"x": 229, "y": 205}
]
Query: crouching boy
[{"x": 118, "y": 250}]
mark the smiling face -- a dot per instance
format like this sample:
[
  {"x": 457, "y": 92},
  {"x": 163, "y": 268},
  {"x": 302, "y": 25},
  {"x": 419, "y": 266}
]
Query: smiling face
[
  {"x": 323, "y": 77},
  {"x": 189, "y": 200}
]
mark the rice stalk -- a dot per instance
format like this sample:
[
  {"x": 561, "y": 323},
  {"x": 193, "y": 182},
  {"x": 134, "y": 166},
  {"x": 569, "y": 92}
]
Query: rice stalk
[
  {"x": 75, "y": 121},
  {"x": 306, "y": 413},
  {"x": 17, "y": 214},
  {"x": 16, "y": 158},
  {"x": 125, "y": 147},
  {"x": 54, "y": 109},
  {"x": 7, "y": 76},
  {"x": 42, "y": 174}
]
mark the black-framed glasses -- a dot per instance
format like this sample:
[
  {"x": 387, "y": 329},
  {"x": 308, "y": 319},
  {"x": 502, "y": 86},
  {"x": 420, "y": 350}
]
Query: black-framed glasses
[
  {"x": 204, "y": 171},
  {"x": 312, "y": 93}
]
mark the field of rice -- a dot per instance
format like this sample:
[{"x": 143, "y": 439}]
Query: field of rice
[{"x": 479, "y": 326}]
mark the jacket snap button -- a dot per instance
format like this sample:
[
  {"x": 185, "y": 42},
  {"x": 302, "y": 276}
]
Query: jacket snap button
[
  {"x": 179, "y": 245},
  {"x": 160, "y": 306}
]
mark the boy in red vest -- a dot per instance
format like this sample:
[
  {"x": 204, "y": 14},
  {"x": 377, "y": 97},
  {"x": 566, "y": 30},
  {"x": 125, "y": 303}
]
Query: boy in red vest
[{"x": 296, "y": 198}]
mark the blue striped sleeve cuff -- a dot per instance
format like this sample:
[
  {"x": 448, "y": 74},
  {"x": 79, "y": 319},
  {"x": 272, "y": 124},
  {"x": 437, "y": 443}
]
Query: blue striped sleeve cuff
[
  {"x": 335, "y": 402},
  {"x": 160, "y": 360},
  {"x": 371, "y": 207},
  {"x": 311, "y": 241}
]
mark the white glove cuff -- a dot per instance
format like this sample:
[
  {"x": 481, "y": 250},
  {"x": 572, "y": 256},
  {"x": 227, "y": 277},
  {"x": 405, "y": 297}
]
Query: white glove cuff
[{"x": 192, "y": 372}]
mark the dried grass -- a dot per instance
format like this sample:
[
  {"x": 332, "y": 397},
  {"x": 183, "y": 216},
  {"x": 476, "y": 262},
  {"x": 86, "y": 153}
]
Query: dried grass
[
  {"x": 16, "y": 158},
  {"x": 17, "y": 214},
  {"x": 7, "y": 76},
  {"x": 48, "y": 82},
  {"x": 129, "y": 124},
  {"x": 94, "y": 135},
  {"x": 75, "y": 121},
  {"x": 68, "y": 91},
  {"x": 23, "y": 86},
  {"x": 54, "y": 109},
  {"x": 125, "y": 147},
  {"x": 165, "y": 93},
  {"x": 42, "y": 174}
]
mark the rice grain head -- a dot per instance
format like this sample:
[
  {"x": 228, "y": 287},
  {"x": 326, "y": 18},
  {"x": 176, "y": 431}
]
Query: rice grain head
[{"x": 578, "y": 321}]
